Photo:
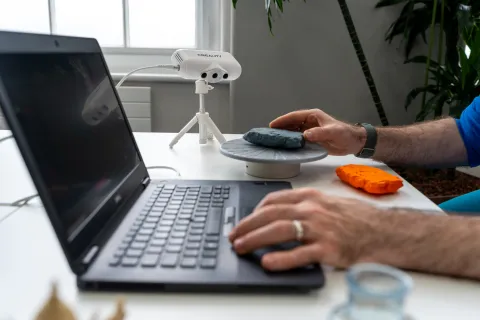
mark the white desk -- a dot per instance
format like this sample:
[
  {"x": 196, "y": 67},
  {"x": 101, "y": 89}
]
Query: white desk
[{"x": 31, "y": 256}]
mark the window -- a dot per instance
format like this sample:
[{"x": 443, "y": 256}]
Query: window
[{"x": 132, "y": 33}]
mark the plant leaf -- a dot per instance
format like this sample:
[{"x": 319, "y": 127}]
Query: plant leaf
[
  {"x": 415, "y": 92},
  {"x": 234, "y": 2},
  {"x": 279, "y": 5}
]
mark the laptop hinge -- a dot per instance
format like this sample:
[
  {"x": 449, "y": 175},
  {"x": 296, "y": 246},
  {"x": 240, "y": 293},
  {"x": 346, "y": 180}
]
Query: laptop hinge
[{"x": 146, "y": 181}]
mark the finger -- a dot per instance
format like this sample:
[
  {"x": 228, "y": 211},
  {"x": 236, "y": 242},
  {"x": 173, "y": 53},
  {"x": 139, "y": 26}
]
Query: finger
[
  {"x": 291, "y": 119},
  {"x": 300, "y": 256},
  {"x": 321, "y": 134},
  {"x": 287, "y": 196},
  {"x": 264, "y": 216},
  {"x": 276, "y": 232}
]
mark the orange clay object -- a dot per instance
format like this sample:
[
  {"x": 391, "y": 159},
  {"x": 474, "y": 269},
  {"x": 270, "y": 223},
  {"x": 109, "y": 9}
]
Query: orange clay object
[{"x": 369, "y": 179}]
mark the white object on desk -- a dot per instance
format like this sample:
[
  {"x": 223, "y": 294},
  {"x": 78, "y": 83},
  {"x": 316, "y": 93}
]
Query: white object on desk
[
  {"x": 31, "y": 256},
  {"x": 137, "y": 102}
]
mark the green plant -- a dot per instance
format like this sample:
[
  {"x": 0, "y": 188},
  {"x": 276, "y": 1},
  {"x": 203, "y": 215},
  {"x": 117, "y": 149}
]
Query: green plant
[
  {"x": 455, "y": 87},
  {"x": 279, "y": 5},
  {"x": 458, "y": 22}
]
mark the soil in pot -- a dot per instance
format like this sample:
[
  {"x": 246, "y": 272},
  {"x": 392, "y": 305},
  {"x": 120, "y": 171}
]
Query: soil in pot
[{"x": 439, "y": 185}]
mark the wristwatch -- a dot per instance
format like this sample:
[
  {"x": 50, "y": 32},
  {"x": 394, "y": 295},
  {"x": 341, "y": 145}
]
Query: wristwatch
[{"x": 369, "y": 148}]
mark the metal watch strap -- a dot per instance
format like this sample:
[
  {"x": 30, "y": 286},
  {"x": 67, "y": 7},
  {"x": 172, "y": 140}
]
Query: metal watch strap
[{"x": 369, "y": 148}]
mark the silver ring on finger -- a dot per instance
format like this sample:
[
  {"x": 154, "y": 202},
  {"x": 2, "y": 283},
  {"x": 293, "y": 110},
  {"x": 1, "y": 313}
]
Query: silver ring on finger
[{"x": 299, "y": 232}]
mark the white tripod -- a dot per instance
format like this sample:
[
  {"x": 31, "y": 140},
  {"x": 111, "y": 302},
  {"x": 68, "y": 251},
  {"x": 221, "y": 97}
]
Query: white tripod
[{"x": 206, "y": 126}]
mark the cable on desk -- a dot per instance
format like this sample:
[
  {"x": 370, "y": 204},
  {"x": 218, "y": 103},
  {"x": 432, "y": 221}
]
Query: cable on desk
[
  {"x": 165, "y": 167},
  {"x": 20, "y": 203},
  {"x": 5, "y": 138}
]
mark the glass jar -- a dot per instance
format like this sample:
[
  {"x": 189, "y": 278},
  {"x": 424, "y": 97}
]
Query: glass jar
[{"x": 375, "y": 291}]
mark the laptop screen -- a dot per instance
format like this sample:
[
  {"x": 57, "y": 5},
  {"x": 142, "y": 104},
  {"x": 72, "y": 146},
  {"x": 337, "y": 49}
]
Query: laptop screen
[{"x": 67, "y": 108}]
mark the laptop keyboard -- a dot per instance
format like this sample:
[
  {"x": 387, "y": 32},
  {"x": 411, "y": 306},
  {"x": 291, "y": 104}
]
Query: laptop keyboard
[{"x": 178, "y": 228}]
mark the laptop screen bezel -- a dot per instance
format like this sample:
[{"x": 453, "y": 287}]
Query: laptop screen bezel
[{"x": 74, "y": 246}]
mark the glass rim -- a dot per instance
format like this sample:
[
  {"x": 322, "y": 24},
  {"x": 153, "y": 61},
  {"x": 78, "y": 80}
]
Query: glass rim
[{"x": 405, "y": 281}]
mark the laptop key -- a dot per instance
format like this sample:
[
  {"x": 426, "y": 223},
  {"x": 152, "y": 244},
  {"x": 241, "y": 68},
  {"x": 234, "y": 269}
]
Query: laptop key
[
  {"x": 183, "y": 222},
  {"x": 210, "y": 246},
  {"x": 191, "y": 253},
  {"x": 188, "y": 206},
  {"x": 209, "y": 253},
  {"x": 127, "y": 239},
  {"x": 195, "y": 238},
  {"x": 152, "y": 219},
  {"x": 193, "y": 245},
  {"x": 176, "y": 241},
  {"x": 189, "y": 262},
  {"x": 199, "y": 219},
  {"x": 169, "y": 260},
  {"x": 149, "y": 225},
  {"x": 213, "y": 223},
  {"x": 201, "y": 209},
  {"x": 179, "y": 234},
  {"x": 150, "y": 260},
  {"x": 169, "y": 217},
  {"x": 166, "y": 223},
  {"x": 129, "y": 262},
  {"x": 201, "y": 214},
  {"x": 158, "y": 242},
  {"x": 155, "y": 213},
  {"x": 212, "y": 238},
  {"x": 138, "y": 245},
  {"x": 119, "y": 253},
  {"x": 147, "y": 232},
  {"x": 161, "y": 235},
  {"x": 142, "y": 238},
  {"x": 196, "y": 231},
  {"x": 185, "y": 216},
  {"x": 181, "y": 228},
  {"x": 155, "y": 250},
  {"x": 174, "y": 248},
  {"x": 206, "y": 188},
  {"x": 198, "y": 225},
  {"x": 164, "y": 229},
  {"x": 208, "y": 263},
  {"x": 133, "y": 253},
  {"x": 115, "y": 261}
]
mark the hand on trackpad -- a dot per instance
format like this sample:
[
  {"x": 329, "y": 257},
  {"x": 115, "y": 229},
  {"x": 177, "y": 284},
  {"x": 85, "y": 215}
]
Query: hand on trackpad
[{"x": 257, "y": 255}]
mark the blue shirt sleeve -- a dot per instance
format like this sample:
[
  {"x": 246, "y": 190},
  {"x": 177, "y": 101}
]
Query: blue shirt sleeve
[{"x": 469, "y": 128}]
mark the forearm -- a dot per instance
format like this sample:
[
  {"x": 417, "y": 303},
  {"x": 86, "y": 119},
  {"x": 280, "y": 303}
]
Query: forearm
[
  {"x": 433, "y": 143},
  {"x": 448, "y": 245}
]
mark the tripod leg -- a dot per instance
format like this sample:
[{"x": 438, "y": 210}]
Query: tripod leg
[
  {"x": 185, "y": 129},
  {"x": 214, "y": 129},
  {"x": 202, "y": 132}
]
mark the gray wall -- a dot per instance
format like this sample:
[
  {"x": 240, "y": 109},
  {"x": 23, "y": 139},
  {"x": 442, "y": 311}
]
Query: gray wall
[
  {"x": 311, "y": 63},
  {"x": 174, "y": 104}
]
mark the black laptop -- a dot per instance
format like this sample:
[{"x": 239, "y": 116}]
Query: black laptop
[{"x": 118, "y": 229}]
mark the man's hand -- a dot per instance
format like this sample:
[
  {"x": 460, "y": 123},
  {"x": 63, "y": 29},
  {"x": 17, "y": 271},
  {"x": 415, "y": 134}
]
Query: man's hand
[
  {"x": 337, "y": 231},
  {"x": 340, "y": 232},
  {"x": 337, "y": 137}
]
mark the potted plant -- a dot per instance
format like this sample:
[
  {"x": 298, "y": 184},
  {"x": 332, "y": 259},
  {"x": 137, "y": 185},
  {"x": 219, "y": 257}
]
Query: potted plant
[{"x": 451, "y": 80}]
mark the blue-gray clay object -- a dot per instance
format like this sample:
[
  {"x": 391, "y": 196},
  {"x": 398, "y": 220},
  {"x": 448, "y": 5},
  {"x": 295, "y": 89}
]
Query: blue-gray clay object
[{"x": 275, "y": 138}]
